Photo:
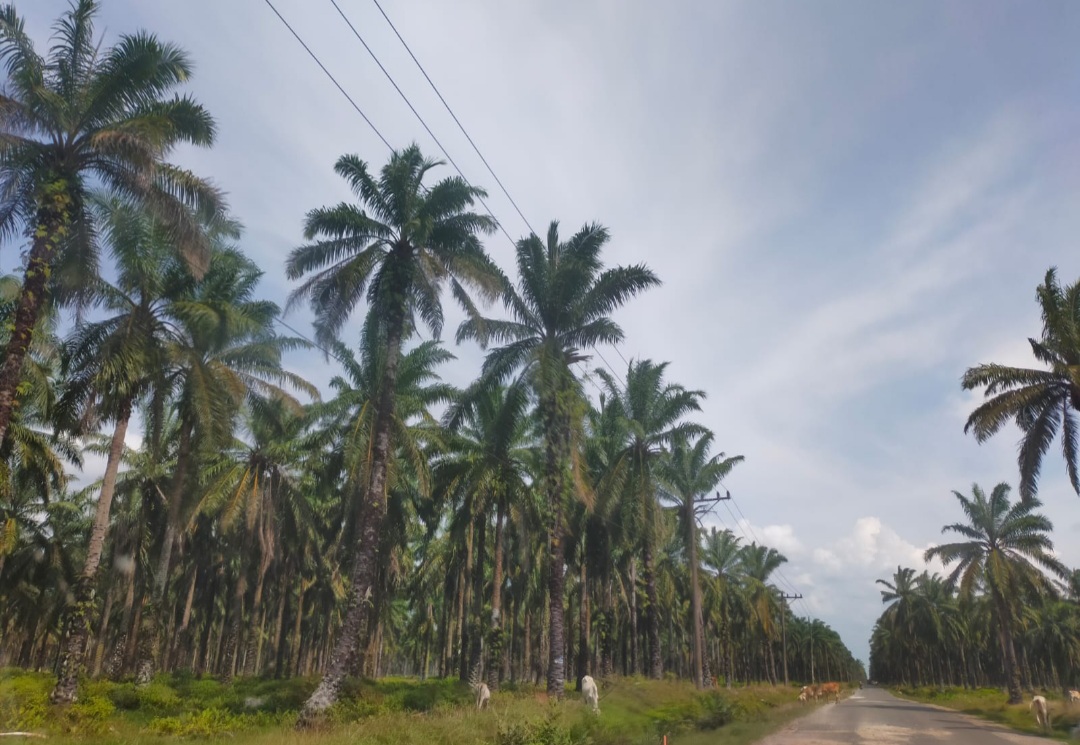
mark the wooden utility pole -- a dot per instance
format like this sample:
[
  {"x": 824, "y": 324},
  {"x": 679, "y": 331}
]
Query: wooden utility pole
[{"x": 783, "y": 627}]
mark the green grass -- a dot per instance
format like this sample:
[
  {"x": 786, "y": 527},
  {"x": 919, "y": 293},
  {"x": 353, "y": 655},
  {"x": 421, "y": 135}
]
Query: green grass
[
  {"x": 391, "y": 712},
  {"x": 992, "y": 704}
]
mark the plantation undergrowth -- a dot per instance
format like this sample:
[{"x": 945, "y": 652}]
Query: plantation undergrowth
[
  {"x": 993, "y": 704},
  {"x": 391, "y": 712}
]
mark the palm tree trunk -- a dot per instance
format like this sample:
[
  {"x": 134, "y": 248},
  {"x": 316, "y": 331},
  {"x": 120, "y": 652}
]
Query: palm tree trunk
[
  {"x": 652, "y": 617},
  {"x": 251, "y": 657},
  {"x": 583, "y": 623},
  {"x": 1012, "y": 670},
  {"x": 556, "y": 454},
  {"x": 150, "y": 637},
  {"x": 476, "y": 636},
  {"x": 236, "y": 617},
  {"x": 635, "y": 646},
  {"x": 180, "y": 637},
  {"x": 496, "y": 642},
  {"x": 465, "y": 606},
  {"x": 103, "y": 633},
  {"x": 78, "y": 615},
  {"x": 372, "y": 514},
  {"x": 51, "y": 225},
  {"x": 607, "y": 631}
]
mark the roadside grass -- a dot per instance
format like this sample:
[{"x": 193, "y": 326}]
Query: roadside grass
[
  {"x": 392, "y": 711},
  {"x": 992, "y": 704}
]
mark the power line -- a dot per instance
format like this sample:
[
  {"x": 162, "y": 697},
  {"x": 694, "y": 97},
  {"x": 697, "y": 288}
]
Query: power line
[
  {"x": 457, "y": 121},
  {"x": 454, "y": 116},
  {"x": 375, "y": 129},
  {"x": 329, "y": 75},
  {"x": 419, "y": 118}
]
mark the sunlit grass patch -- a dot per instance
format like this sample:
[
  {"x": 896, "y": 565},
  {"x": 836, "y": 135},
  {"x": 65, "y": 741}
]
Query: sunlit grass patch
[
  {"x": 992, "y": 704},
  {"x": 392, "y": 711}
]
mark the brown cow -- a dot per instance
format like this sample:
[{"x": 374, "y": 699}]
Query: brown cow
[{"x": 831, "y": 689}]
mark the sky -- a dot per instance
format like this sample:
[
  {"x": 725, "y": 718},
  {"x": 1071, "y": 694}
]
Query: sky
[{"x": 848, "y": 204}]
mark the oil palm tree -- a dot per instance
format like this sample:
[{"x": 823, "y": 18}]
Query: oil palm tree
[
  {"x": 720, "y": 555},
  {"x": 1040, "y": 401},
  {"x": 688, "y": 475},
  {"x": 81, "y": 116},
  {"x": 487, "y": 461},
  {"x": 1006, "y": 544},
  {"x": 654, "y": 412},
  {"x": 343, "y": 438},
  {"x": 256, "y": 484},
  {"x": 758, "y": 565},
  {"x": 560, "y": 309},
  {"x": 400, "y": 246},
  {"x": 223, "y": 354},
  {"x": 109, "y": 365}
]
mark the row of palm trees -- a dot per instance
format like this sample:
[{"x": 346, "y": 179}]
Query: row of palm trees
[
  {"x": 516, "y": 527},
  {"x": 997, "y": 619}
]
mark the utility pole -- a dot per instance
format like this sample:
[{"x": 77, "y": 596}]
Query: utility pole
[
  {"x": 693, "y": 512},
  {"x": 783, "y": 628}
]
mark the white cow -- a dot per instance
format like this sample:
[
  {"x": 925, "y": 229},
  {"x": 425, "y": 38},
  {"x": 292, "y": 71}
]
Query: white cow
[
  {"x": 1074, "y": 696},
  {"x": 589, "y": 694},
  {"x": 803, "y": 696},
  {"x": 1042, "y": 714},
  {"x": 483, "y": 695}
]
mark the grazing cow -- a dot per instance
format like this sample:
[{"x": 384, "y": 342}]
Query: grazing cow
[
  {"x": 831, "y": 689},
  {"x": 1074, "y": 696},
  {"x": 589, "y": 694},
  {"x": 1042, "y": 714},
  {"x": 483, "y": 695}
]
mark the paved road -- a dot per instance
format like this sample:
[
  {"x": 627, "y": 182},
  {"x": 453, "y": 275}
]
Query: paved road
[{"x": 873, "y": 716}]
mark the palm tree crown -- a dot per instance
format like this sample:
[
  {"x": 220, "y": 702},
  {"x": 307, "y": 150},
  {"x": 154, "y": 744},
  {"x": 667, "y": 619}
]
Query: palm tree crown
[
  {"x": 402, "y": 244},
  {"x": 1040, "y": 401}
]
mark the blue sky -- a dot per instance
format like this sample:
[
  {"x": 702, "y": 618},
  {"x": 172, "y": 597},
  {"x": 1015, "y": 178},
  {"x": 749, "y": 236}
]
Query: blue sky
[{"x": 848, "y": 203}]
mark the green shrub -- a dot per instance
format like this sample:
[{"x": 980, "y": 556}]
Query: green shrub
[
  {"x": 158, "y": 698},
  {"x": 24, "y": 700},
  {"x": 548, "y": 731},
  {"x": 716, "y": 711},
  {"x": 212, "y": 723},
  {"x": 124, "y": 696},
  {"x": 90, "y": 715}
]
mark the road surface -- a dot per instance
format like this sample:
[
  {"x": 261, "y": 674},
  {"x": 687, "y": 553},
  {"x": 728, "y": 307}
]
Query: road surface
[{"x": 873, "y": 716}]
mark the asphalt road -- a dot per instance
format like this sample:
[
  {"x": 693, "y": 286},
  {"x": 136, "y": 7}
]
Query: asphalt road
[{"x": 873, "y": 716}]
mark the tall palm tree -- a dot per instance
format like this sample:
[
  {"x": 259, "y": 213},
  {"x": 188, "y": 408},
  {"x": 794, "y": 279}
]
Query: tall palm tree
[
  {"x": 720, "y": 555},
  {"x": 1007, "y": 543},
  {"x": 560, "y": 309},
  {"x": 402, "y": 244},
  {"x": 80, "y": 116},
  {"x": 222, "y": 354},
  {"x": 653, "y": 410},
  {"x": 256, "y": 484},
  {"x": 487, "y": 459},
  {"x": 344, "y": 440},
  {"x": 688, "y": 475},
  {"x": 1040, "y": 401},
  {"x": 758, "y": 564},
  {"x": 109, "y": 365}
]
